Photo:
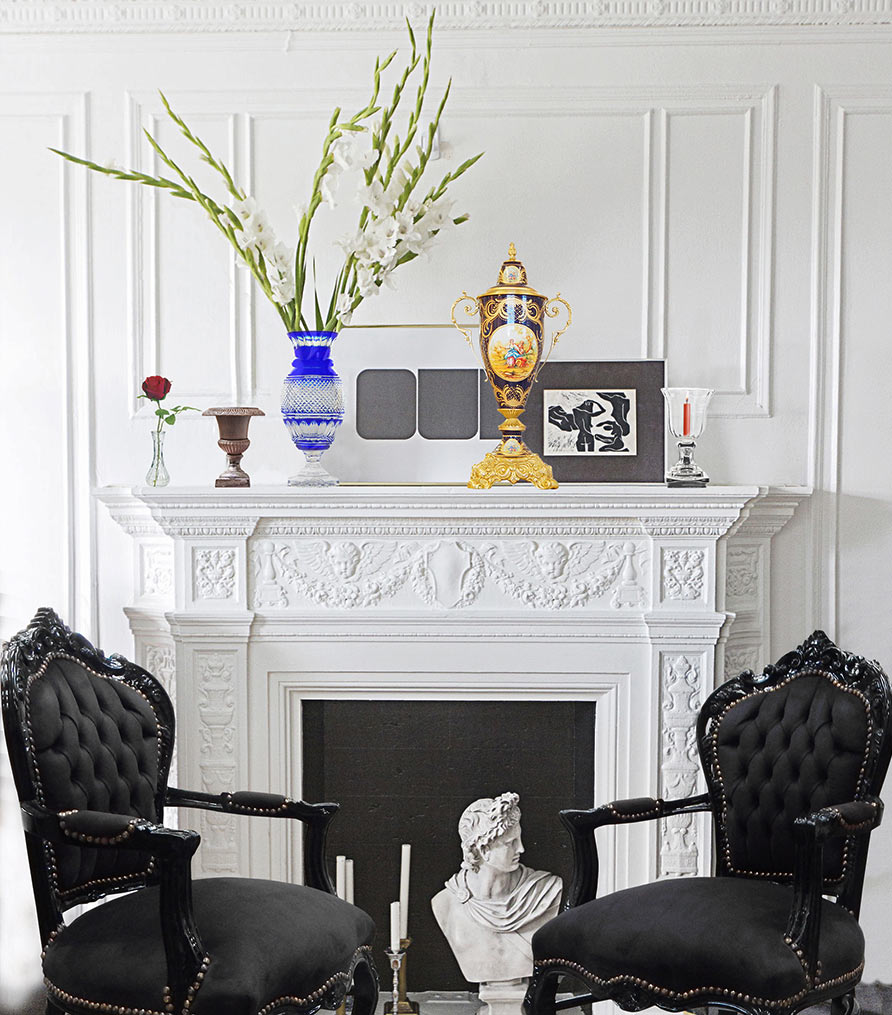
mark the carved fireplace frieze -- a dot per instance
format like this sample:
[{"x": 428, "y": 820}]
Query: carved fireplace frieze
[{"x": 637, "y": 598}]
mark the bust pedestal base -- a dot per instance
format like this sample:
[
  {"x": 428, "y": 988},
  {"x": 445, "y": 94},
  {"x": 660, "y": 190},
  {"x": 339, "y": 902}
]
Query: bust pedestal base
[{"x": 502, "y": 997}]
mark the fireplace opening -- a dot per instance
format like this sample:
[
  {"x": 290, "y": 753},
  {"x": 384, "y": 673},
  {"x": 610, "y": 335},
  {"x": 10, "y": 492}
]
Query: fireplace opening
[{"x": 403, "y": 771}]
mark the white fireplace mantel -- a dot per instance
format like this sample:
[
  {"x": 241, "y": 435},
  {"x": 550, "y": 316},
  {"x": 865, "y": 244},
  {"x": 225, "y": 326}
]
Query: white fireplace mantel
[{"x": 639, "y": 597}]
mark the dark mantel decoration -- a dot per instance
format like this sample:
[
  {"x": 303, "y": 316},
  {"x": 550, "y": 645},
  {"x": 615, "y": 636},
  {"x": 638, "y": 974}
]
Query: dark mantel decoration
[{"x": 233, "y": 424}]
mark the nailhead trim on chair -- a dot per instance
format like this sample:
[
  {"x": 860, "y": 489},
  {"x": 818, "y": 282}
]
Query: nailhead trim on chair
[
  {"x": 256, "y": 810},
  {"x": 625, "y": 816},
  {"x": 114, "y": 1009},
  {"x": 119, "y": 1009},
  {"x": 695, "y": 991},
  {"x": 800, "y": 955},
  {"x": 726, "y": 846},
  {"x": 192, "y": 991},
  {"x": 301, "y": 1002},
  {"x": 50, "y": 853},
  {"x": 102, "y": 840},
  {"x": 868, "y": 823},
  {"x": 54, "y": 934}
]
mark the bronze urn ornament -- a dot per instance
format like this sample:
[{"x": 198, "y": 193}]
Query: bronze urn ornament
[
  {"x": 232, "y": 422},
  {"x": 512, "y": 324}
]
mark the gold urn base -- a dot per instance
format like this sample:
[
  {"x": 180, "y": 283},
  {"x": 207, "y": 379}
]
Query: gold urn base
[{"x": 512, "y": 462}]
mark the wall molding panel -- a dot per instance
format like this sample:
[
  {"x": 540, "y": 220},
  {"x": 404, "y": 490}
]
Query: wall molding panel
[
  {"x": 75, "y": 514},
  {"x": 144, "y": 254},
  {"x": 59, "y": 16},
  {"x": 834, "y": 108},
  {"x": 757, "y": 110}
]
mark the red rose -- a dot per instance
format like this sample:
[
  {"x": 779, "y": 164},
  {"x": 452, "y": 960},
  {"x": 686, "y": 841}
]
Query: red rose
[{"x": 156, "y": 387}]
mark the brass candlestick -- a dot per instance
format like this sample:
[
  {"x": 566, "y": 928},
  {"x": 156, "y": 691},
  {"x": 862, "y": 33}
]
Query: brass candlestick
[
  {"x": 400, "y": 1003},
  {"x": 233, "y": 426}
]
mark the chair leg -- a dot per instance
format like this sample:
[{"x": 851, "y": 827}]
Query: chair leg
[
  {"x": 845, "y": 1005},
  {"x": 541, "y": 993},
  {"x": 365, "y": 989}
]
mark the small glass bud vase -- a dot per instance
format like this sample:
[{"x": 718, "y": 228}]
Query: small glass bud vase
[
  {"x": 157, "y": 474},
  {"x": 687, "y": 418}
]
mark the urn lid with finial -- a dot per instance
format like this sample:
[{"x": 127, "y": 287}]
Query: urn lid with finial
[{"x": 512, "y": 278}]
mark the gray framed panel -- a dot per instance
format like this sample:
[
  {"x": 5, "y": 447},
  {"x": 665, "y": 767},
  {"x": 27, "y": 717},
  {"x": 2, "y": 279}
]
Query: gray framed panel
[
  {"x": 447, "y": 404},
  {"x": 386, "y": 405}
]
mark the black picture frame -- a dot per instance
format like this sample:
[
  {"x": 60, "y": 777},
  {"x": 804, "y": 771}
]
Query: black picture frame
[{"x": 645, "y": 377}]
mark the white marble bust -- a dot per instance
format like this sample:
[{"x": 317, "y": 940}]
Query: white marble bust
[{"x": 491, "y": 908}]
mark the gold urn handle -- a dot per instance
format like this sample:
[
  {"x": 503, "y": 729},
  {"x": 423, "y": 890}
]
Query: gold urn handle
[
  {"x": 553, "y": 311},
  {"x": 471, "y": 308}
]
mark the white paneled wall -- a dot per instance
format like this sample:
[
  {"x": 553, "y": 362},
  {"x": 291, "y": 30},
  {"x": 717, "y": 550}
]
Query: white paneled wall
[{"x": 720, "y": 196}]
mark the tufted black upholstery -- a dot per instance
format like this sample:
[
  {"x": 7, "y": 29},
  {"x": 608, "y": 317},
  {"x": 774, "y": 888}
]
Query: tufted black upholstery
[
  {"x": 90, "y": 739},
  {"x": 290, "y": 941},
  {"x": 782, "y": 753},
  {"x": 95, "y": 747},
  {"x": 719, "y": 932},
  {"x": 794, "y": 760}
]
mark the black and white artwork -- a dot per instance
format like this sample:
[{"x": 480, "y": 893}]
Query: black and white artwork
[{"x": 582, "y": 422}]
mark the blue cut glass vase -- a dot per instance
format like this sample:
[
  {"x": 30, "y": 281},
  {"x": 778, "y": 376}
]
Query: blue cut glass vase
[{"x": 312, "y": 403}]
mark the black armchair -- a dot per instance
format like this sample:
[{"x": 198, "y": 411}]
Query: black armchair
[
  {"x": 794, "y": 759},
  {"x": 90, "y": 740}
]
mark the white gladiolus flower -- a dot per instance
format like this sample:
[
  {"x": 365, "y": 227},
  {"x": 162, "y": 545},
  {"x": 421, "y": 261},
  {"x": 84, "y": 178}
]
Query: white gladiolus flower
[
  {"x": 379, "y": 252},
  {"x": 283, "y": 255},
  {"x": 365, "y": 279},
  {"x": 344, "y": 308},
  {"x": 328, "y": 185},
  {"x": 426, "y": 244},
  {"x": 246, "y": 209},
  {"x": 367, "y": 159},
  {"x": 376, "y": 200},
  {"x": 350, "y": 242},
  {"x": 264, "y": 241},
  {"x": 405, "y": 226},
  {"x": 439, "y": 213},
  {"x": 343, "y": 151},
  {"x": 388, "y": 279},
  {"x": 256, "y": 232},
  {"x": 283, "y": 292},
  {"x": 387, "y": 232}
]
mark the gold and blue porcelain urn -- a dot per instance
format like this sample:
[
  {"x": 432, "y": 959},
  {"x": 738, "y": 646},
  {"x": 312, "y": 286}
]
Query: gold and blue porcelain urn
[{"x": 512, "y": 349}]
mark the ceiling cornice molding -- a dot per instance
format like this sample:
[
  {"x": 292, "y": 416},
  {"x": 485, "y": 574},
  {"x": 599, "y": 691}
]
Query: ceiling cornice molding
[{"x": 209, "y": 16}]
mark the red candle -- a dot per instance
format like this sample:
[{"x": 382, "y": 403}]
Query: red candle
[{"x": 686, "y": 420}]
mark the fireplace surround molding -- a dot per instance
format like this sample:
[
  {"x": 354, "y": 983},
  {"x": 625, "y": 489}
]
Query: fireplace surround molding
[{"x": 247, "y": 602}]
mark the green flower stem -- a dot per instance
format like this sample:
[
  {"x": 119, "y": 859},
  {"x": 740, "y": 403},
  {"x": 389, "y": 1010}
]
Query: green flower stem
[
  {"x": 206, "y": 155},
  {"x": 399, "y": 150}
]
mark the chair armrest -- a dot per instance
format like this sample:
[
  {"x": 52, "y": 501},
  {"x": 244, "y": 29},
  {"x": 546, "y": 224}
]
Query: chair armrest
[
  {"x": 811, "y": 831},
  {"x": 316, "y": 817},
  {"x": 582, "y": 824},
  {"x": 172, "y": 849}
]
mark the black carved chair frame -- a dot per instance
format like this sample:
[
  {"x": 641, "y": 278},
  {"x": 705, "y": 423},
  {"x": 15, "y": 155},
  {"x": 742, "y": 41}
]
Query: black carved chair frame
[
  {"x": 125, "y": 851},
  {"x": 827, "y": 844}
]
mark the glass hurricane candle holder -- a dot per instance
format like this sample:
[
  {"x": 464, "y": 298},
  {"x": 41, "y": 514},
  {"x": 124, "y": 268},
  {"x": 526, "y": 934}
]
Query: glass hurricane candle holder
[{"x": 687, "y": 417}]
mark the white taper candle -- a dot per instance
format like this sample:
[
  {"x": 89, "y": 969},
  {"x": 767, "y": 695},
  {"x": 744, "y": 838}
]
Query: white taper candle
[
  {"x": 394, "y": 926},
  {"x": 349, "y": 882},
  {"x": 341, "y": 877},
  {"x": 405, "y": 861}
]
